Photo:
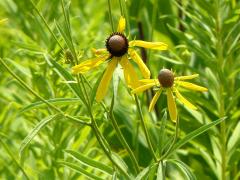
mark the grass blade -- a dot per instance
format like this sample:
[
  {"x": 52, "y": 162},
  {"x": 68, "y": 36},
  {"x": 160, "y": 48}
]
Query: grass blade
[
  {"x": 80, "y": 170},
  {"x": 195, "y": 133},
  {"x": 90, "y": 162},
  {"x": 36, "y": 129}
]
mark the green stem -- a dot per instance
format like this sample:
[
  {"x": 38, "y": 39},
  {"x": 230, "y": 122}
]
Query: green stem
[
  {"x": 145, "y": 128},
  {"x": 121, "y": 8},
  {"x": 102, "y": 141},
  {"x": 110, "y": 15},
  {"x": 220, "y": 60},
  {"x": 45, "y": 22},
  {"x": 122, "y": 139},
  {"x": 118, "y": 131},
  {"x": 172, "y": 144}
]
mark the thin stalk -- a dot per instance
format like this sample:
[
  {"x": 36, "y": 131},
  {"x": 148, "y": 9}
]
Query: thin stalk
[
  {"x": 125, "y": 13},
  {"x": 13, "y": 158},
  {"x": 121, "y": 8},
  {"x": 145, "y": 128},
  {"x": 220, "y": 61},
  {"x": 122, "y": 139},
  {"x": 110, "y": 15},
  {"x": 102, "y": 141},
  {"x": 172, "y": 144},
  {"x": 45, "y": 22}
]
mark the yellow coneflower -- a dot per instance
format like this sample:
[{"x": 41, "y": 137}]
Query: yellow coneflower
[
  {"x": 117, "y": 50},
  {"x": 166, "y": 81}
]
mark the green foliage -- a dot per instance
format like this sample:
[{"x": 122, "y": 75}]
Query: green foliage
[{"x": 51, "y": 127}]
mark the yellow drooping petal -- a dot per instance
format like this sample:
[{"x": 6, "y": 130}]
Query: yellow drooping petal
[
  {"x": 186, "y": 77},
  {"x": 184, "y": 100},
  {"x": 191, "y": 86},
  {"x": 143, "y": 68},
  {"x": 88, "y": 64},
  {"x": 171, "y": 105},
  {"x": 99, "y": 52},
  {"x": 147, "y": 81},
  {"x": 107, "y": 76},
  {"x": 142, "y": 88},
  {"x": 121, "y": 24},
  {"x": 154, "y": 100},
  {"x": 130, "y": 74},
  {"x": 150, "y": 45}
]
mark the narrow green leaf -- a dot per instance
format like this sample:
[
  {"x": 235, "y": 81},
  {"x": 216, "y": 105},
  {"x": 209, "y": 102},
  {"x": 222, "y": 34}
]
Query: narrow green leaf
[
  {"x": 36, "y": 129},
  {"x": 90, "y": 162},
  {"x": 55, "y": 101},
  {"x": 120, "y": 162},
  {"x": 144, "y": 173},
  {"x": 80, "y": 170},
  {"x": 234, "y": 139},
  {"x": 161, "y": 170},
  {"x": 195, "y": 133},
  {"x": 185, "y": 169}
]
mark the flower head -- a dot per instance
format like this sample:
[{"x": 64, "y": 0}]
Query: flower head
[
  {"x": 119, "y": 50},
  {"x": 166, "y": 81}
]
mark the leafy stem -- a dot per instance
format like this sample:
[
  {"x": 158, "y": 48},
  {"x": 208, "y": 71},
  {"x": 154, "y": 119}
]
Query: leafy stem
[{"x": 145, "y": 128}]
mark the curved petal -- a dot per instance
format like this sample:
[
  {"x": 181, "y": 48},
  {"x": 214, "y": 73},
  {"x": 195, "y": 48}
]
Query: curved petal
[
  {"x": 171, "y": 105},
  {"x": 142, "y": 88},
  {"x": 143, "y": 68},
  {"x": 150, "y": 45},
  {"x": 154, "y": 100},
  {"x": 107, "y": 76},
  {"x": 184, "y": 101},
  {"x": 191, "y": 86},
  {"x": 186, "y": 77},
  {"x": 88, "y": 64},
  {"x": 130, "y": 74},
  {"x": 121, "y": 25}
]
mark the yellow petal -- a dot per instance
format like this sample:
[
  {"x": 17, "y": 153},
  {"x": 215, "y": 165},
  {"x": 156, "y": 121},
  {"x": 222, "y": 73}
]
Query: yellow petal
[
  {"x": 191, "y": 86},
  {"x": 154, "y": 100},
  {"x": 149, "y": 81},
  {"x": 88, "y": 64},
  {"x": 143, "y": 68},
  {"x": 130, "y": 74},
  {"x": 171, "y": 105},
  {"x": 186, "y": 77},
  {"x": 184, "y": 101},
  {"x": 150, "y": 45},
  {"x": 142, "y": 88},
  {"x": 99, "y": 52},
  {"x": 121, "y": 25},
  {"x": 2, "y": 21},
  {"x": 107, "y": 76}
]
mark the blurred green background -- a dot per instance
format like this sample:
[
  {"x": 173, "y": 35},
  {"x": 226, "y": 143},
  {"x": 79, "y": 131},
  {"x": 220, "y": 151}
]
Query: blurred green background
[{"x": 203, "y": 37}]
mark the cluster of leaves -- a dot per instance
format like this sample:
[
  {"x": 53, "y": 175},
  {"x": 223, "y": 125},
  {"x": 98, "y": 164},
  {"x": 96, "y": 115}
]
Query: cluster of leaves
[{"x": 44, "y": 116}]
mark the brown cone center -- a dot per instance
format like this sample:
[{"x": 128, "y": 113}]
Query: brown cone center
[
  {"x": 117, "y": 44},
  {"x": 166, "y": 78}
]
